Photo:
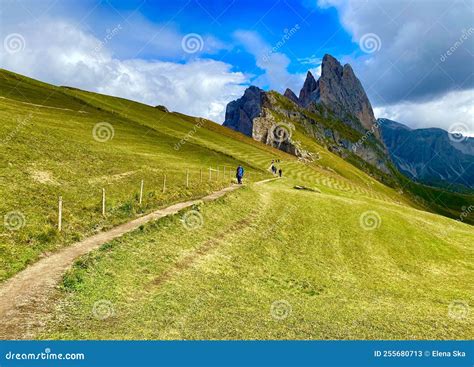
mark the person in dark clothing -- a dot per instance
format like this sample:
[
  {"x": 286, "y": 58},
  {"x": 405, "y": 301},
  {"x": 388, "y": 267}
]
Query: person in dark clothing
[
  {"x": 280, "y": 172},
  {"x": 239, "y": 174}
]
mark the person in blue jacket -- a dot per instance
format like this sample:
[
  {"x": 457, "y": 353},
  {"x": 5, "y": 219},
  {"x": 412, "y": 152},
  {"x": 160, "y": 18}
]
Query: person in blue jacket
[{"x": 239, "y": 174}]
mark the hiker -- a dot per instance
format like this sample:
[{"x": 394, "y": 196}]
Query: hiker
[
  {"x": 239, "y": 174},
  {"x": 280, "y": 172},
  {"x": 273, "y": 169}
]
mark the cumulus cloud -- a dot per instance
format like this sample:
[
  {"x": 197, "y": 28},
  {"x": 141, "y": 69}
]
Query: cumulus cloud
[
  {"x": 63, "y": 54},
  {"x": 273, "y": 63},
  {"x": 446, "y": 111},
  {"x": 425, "y": 53}
]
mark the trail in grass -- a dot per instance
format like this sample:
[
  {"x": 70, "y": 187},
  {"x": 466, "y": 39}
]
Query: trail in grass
[{"x": 28, "y": 296}]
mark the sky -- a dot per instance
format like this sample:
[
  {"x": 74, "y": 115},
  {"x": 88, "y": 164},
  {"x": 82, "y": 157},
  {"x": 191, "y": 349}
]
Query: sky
[{"x": 415, "y": 58}]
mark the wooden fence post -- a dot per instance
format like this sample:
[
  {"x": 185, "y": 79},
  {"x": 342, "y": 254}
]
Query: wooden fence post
[
  {"x": 187, "y": 178},
  {"x": 141, "y": 192},
  {"x": 60, "y": 214},
  {"x": 103, "y": 202},
  {"x": 164, "y": 183}
]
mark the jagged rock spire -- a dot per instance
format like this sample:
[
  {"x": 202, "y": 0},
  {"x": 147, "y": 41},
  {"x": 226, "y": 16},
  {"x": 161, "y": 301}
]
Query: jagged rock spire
[{"x": 291, "y": 96}]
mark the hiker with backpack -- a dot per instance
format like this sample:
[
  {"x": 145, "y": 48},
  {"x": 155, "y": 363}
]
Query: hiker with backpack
[{"x": 239, "y": 174}]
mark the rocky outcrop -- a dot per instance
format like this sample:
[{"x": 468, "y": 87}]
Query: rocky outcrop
[
  {"x": 291, "y": 96},
  {"x": 240, "y": 113},
  {"x": 162, "y": 108},
  {"x": 339, "y": 90},
  {"x": 310, "y": 91},
  {"x": 430, "y": 156},
  {"x": 334, "y": 110}
]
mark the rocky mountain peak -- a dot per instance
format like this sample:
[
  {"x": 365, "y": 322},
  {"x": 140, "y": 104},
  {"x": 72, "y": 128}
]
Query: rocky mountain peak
[
  {"x": 291, "y": 96},
  {"x": 339, "y": 90},
  {"x": 240, "y": 113},
  {"x": 309, "y": 93}
]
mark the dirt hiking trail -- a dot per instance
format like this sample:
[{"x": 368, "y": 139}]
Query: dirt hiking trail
[{"x": 27, "y": 297}]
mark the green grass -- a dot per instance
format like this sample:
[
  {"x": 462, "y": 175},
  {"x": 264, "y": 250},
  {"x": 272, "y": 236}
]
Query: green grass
[
  {"x": 259, "y": 245},
  {"x": 48, "y": 150},
  {"x": 272, "y": 243}
]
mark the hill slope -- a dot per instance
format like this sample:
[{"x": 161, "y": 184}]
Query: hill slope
[
  {"x": 58, "y": 141},
  {"x": 334, "y": 256}
]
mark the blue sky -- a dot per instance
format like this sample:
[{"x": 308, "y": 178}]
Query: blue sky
[{"x": 196, "y": 56}]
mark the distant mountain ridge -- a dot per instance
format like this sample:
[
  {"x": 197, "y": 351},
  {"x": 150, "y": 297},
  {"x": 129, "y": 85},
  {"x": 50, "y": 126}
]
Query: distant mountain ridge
[{"x": 430, "y": 155}]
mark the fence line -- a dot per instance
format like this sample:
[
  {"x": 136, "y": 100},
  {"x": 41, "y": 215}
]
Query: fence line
[{"x": 188, "y": 183}]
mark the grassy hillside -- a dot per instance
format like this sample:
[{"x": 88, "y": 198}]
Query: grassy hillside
[
  {"x": 58, "y": 141},
  {"x": 272, "y": 262},
  {"x": 356, "y": 260}
]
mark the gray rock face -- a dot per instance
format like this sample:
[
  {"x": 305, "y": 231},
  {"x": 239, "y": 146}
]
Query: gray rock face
[
  {"x": 430, "y": 155},
  {"x": 240, "y": 113},
  {"x": 337, "y": 98},
  {"x": 339, "y": 90},
  {"x": 291, "y": 96},
  {"x": 310, "y": 91}
]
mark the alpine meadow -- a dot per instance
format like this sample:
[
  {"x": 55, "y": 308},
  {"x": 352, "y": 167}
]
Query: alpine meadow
[{"x": 236, "y": 183}]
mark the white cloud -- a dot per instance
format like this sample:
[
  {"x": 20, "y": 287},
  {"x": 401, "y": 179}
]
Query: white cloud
[
  {"x": 443, "y": 112},
  {"x": 275, "y": 64},
  {"x": 409, "y": 70},
  {"x": 61, "y": 54}
]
